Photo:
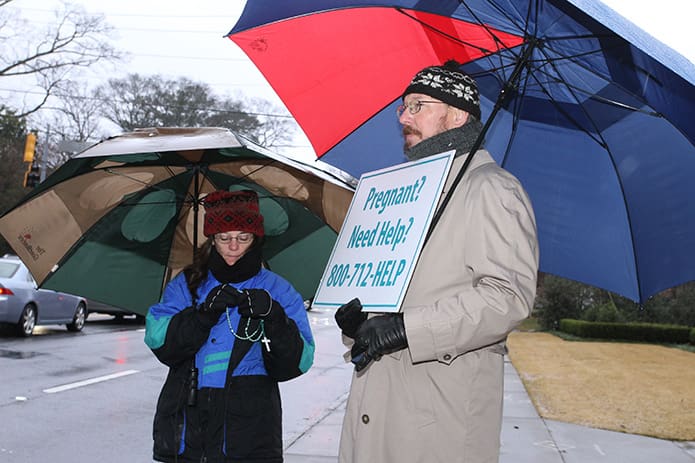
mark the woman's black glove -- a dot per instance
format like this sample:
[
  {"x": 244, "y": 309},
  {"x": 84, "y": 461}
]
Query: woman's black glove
[
  {"x": 218, "y": 299},
  {"x": 378, "y": 336},
  {"x": 349, "y": 317},
  {"x": 257, "y": 303}
]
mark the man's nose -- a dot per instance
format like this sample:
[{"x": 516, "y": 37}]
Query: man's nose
[{"x": 405, "y": 117}]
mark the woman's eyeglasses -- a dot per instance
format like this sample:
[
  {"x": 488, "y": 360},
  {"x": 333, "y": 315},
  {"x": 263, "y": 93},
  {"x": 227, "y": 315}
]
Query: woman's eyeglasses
[
  {"x": 241, "y": 238},
  {"x": 414, "y": 107}
]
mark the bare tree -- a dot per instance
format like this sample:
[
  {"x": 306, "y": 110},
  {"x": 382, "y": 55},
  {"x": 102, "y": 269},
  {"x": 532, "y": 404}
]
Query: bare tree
[
  {"x": 234, "y": 115},
  {"x": 71, "y": 123},
  {"x": 152, "y": 101},
  {"x": 128, "y": 102},
  {"x": 75, "y": 40},
  {"x": 277, "y": 127},
  {"x": 12, "y": 168},
  {"x": 76, "y": 116}
]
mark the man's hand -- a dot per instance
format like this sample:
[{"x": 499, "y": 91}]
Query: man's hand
[
  {"x": 378, "y": 336},
  {"x": 349, "y": 317}
]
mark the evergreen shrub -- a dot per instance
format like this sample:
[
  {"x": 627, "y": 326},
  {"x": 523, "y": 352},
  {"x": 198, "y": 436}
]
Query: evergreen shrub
[{"x": 643, "y": 332}]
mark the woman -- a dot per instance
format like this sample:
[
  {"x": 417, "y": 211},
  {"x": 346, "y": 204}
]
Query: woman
[{"x": 229, "y": 330}]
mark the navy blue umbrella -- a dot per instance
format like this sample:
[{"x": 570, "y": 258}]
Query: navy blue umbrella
[{"x": 588, "y": 111}]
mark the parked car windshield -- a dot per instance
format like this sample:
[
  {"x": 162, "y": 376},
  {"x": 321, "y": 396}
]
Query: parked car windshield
[{"x": 7, "y": 269}]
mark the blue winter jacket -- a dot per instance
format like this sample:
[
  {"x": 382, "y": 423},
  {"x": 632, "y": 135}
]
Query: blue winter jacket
[{"x": 240, "y": 408}]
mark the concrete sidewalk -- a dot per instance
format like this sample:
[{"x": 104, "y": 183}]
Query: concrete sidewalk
[{"x": 526, "y": 437}]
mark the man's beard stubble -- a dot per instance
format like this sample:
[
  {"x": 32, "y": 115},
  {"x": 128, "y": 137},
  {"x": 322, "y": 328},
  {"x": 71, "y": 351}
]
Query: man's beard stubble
[{"x": 407, "y": 130}]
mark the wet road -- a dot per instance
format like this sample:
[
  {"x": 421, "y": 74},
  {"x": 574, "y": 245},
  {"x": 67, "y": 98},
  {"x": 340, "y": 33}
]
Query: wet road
[{"x": 90, "y": 396}]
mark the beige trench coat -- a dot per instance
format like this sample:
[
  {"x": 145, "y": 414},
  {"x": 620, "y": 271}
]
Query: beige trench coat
[{"x": 440, "y": 400}]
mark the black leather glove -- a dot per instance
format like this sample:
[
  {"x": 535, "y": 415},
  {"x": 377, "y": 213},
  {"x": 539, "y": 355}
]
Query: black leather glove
[
  {"x": 349, "y": 317},
  {"x": 218, "y": 299},
  {"x": 378, "y": 336},
  {"x": 256, "y": 303}
]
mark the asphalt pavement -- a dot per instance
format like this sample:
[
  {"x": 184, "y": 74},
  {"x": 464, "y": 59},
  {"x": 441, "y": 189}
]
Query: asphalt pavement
[
  {"x": 313, "y": 405},
  {"x": 526, "y": 437}
]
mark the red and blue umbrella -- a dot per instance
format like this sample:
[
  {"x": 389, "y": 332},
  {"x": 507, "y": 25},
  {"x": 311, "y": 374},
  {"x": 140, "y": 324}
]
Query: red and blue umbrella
[{"x": 587, "y": 110}]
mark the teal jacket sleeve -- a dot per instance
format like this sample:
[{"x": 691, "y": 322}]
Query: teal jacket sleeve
[{"x": 173, "y": 330}]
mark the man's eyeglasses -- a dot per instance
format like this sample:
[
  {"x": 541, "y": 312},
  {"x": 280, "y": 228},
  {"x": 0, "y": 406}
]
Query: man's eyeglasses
[
  {"x": 241, "y": 238},
  {"x": 414, "y": 107}
]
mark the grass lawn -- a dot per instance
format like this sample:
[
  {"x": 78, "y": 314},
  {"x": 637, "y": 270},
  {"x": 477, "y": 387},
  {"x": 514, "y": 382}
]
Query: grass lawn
[{"x": 634, "y": 388}]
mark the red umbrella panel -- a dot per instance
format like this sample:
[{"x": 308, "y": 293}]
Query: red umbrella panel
[{"x": 387, "y": 46}]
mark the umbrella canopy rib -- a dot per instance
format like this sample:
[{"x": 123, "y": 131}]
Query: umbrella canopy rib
[{"x": 454, "y": 39}]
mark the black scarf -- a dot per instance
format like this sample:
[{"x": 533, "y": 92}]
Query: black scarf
[
  {"x": 246, "y": 267},
  {"x": 461, "y": 139}
]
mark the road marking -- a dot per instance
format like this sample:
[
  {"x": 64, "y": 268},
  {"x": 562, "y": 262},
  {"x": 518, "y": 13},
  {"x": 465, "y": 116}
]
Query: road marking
[{"x": 87, "y": 382}]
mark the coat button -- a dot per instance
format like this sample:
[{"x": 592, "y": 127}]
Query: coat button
[
  {"x": 447, "y": 357},
  {"x": 365, "y": 419}
]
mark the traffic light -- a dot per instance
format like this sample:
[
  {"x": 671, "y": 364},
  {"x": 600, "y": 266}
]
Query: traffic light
[
  {"x": 32, "y": 177},
  {"x": 30, "y": 147}
]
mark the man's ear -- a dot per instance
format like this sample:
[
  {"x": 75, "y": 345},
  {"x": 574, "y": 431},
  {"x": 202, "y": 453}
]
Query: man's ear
[{"x": 460, "y": 117}]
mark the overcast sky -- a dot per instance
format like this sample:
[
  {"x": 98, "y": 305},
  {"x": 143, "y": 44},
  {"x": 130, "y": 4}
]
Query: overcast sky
[
  {"x": 186, "y": 38},
  {"x": 173, "y": 38}
]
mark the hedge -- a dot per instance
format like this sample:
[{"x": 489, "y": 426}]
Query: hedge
[{"x": 645, "y": 332}]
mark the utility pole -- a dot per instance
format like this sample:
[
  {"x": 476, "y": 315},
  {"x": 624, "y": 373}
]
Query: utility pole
[{"x": 44, "y": 155}]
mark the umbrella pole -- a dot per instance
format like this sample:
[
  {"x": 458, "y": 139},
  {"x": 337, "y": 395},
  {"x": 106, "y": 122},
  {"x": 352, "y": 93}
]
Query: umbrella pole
[
  {"x": 511, "y": 84},
  {"x": 196, "y": 206}
]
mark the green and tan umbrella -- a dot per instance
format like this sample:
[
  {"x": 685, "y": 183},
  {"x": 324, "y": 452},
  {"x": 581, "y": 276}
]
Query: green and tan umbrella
[{"x": 122, "y": 218}]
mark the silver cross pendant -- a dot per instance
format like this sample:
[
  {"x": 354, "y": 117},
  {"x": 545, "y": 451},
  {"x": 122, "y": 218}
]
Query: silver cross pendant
[{"x": 266, "y": 343}]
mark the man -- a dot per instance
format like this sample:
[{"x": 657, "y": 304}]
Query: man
[{"x": 429, "y": 380}]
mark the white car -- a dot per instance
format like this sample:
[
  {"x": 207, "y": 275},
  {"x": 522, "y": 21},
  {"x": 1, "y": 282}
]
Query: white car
[{"x": 24, "y": 305}]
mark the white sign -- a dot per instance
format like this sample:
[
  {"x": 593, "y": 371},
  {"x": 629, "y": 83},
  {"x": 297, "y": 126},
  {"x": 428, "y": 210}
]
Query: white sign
[{"x": 383, "y": 234}]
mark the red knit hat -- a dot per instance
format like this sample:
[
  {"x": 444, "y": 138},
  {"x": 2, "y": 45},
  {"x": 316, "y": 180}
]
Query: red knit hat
[{"x": 232, "y": 211}]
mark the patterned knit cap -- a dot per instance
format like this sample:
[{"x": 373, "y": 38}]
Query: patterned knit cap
[
  {"x": 227, "y": 211},
  {"x": 448, "y": 84}
]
